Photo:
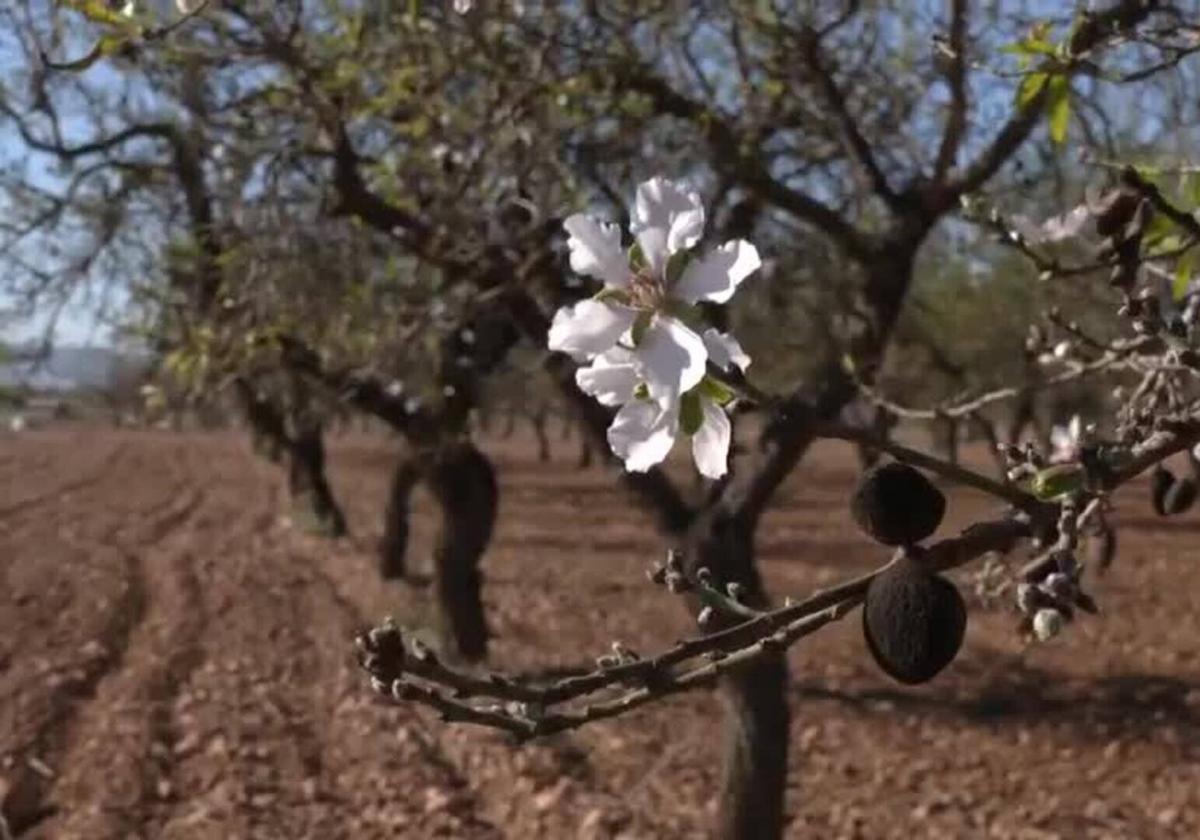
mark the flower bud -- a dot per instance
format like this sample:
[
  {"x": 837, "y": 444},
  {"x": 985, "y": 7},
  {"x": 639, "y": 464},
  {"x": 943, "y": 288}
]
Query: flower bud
[{"x": 1047, "y": 624}]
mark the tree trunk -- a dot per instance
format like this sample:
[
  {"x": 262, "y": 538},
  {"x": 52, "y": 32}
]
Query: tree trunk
[
  {"x": 538, "y": 419},
  {"x": 312, "y": 498},
  {"x": 945, "y": 434},
  {"x": 757, "y": 719},
  {"x": 464, "y": 485},
  {"x": 881, "y": 424},
  {"x": 393, "y": 547}
]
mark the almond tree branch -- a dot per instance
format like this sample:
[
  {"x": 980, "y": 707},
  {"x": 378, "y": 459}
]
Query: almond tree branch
[
  {"x": 1119, "y": 18},
  {"x": 956, "y": 81},
  {"x": 960, "y": 475},
  {"x": 403, "y": 670},
  {"x": 1119, "y": 352},
  {"x": 738, "y": 156},
  {"x": 835, "y": 100}
]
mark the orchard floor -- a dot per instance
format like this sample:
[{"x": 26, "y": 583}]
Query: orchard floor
[{"x": 175, "y": 662}]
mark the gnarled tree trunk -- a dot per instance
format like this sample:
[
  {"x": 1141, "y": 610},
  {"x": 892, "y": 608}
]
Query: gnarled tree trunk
[
  {"x": 393, "y": 547},
  {"x": 300, "y": 445},
  {"x": 945, "y": 436},
  {"x": 464, "y": 485},
  {"x": 312, "y": 498},
  {"x": 757, "y": 717}
]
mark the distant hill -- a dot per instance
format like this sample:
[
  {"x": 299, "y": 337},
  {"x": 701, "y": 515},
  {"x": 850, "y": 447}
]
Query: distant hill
[{"x": 65, "y": 368}]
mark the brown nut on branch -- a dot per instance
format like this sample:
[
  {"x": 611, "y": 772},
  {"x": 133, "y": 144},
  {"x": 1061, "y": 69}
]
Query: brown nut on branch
[
  {"x": 897, "y": 505},
  {"x": 913, "y": 621}
]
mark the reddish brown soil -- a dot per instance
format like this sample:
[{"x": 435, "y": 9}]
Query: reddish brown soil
[{"x": 175, "y": 662}]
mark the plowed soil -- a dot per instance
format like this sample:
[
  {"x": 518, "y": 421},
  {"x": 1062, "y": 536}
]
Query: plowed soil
[{"x": 175, "y": 662}]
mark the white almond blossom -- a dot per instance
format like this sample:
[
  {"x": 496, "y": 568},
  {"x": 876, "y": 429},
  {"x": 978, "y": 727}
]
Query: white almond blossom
[
  {"x": 644, "y": 297},
  {"x": 645, "y": 358},
  {"x": 646, "y": 428},
  {"x": 1065, "y": 441}
]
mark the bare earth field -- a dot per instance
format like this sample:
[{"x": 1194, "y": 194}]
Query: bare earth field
[{"x": 175, "y": 662}]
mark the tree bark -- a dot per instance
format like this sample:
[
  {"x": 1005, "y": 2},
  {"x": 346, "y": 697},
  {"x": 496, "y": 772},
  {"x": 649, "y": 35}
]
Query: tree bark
[
  {"x": 757, "y": 717},
  {"x": 538, "y": 420},
  {"x": 464, "y": 485},
  {"x": 393, "y": 547},
  {"x": 881, "y": 424},
  {"x": 945, "y": 433},
  {"x": 312, "y": 498}
]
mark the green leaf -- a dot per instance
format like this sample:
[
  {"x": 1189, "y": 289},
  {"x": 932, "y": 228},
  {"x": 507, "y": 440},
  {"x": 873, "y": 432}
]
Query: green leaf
[
  {"x": 641, "y": 391},
  {"x": 1056, "y": 481},
  {"x": 1029, "y": 47},
  {"x": 1058, "y": 104},
  {"x": 691, "y": 413},
  {"x": 715, "y": 390},
  {"x": 1190, "y": 188},
  {"x": 1030, "y": 87},
  {"x": 99, "y": 12},
  {"x": 640, "y": 325},
  {"x": 1183, "y": 274}
]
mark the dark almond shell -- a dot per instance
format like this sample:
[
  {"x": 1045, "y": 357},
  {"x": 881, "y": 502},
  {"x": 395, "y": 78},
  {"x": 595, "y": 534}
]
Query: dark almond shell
[
  {"x": 896, "y": 504},
  {"x": 914, "y": 622}
]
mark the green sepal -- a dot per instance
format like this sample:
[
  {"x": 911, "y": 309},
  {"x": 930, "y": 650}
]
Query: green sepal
[
  {"x": 640, "y": 325},
  {"x": 641, "y": 391},
  {"x": 691, "y": 413},
  {"x": 716, "y": 390},
  {"x": 611, "y": 295},
  {"x": 637, "y": 258},
  {"x": 675, "y": 266},
  {"x": 1056, "y": 481}
]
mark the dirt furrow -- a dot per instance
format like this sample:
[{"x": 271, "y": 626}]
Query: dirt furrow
[
  {"x": 97, "y": 470},
  {"x": 252, "y": 762},
  {"x": 34, "y": 763},
  {"x": 442, "y": 804},
  {"x": 126, "y": 729}
]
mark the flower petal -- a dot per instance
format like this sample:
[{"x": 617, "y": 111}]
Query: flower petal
[
  {"x": 710, "y": 444},
  {"x": 671, "y": 357},
  {"x": 596, "y": 250},
  {"x": 724, "y": 350},
  {"x": 589, "y": 328},
  {"x": 669, "y": 207},
  {"x": 611, "y": 378},
  {"x": 717, "y": 275},
  {"x": 653, "y": 242},
  {"x": 642, "y": 433}
]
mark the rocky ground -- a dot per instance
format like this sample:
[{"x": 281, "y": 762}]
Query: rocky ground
[{"x": 175, "y": 662}]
